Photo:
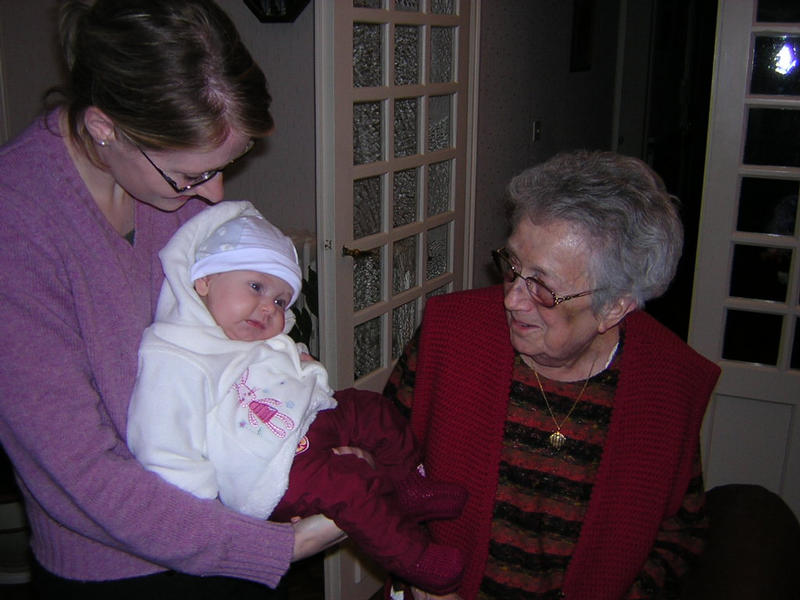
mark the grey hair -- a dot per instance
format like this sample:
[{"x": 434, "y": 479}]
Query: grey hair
[{"x": 623, "y": 208}]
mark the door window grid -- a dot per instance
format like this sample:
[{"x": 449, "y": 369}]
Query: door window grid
[
  {"x": 762, "y": 311},
  {"x": 421, "y": 108}
]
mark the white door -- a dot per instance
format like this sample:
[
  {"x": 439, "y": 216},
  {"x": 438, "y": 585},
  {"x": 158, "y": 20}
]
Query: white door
[
  {"x": 745, "y": 312},
  {"x": 394, "y": 154},
  {"x": 394, "y": 158}
]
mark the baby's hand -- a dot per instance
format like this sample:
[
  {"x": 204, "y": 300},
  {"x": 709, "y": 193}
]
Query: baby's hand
[
  {"x": 359, "y": 452},
  {"x": 304, "y": 357}
]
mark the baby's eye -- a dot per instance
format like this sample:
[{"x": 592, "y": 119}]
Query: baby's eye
[
  {"x": 255, "y": 286},
  {"x": 281, "y": 302}
]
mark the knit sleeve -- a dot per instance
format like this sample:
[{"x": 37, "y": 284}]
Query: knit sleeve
[{"x": 679, "y": 542}]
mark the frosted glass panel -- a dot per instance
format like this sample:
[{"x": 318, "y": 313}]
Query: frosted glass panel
[
  {"x": 776, "y": 65},
  {"x": 367, "y": 206},
  {"x": 768, "y": 206},
  {"x": 442, "y": 54},
  {"x": 406, "y": 54},
  {"x": 445, "y": 289},
  {"x": 367, "y": 351},
  {"x": 408, "y": 5},
  {"x": 439, "y": 134},
  {"x": 406, "y": 127},
  {"x": 367, "y": 53},
  {"x": 796, "y": 346},
  {"x": 760, "y": 272},
  {"x": 438, "y": 251},
  {"x": 752, "y": 337},
  {"x": 404, "y": 322},
  {"x": 443, "y": 7},
  {"x": 406, "y": 197},
  {"x": 367, "y": 279},
  {"x": 404, "y": 274},
  {"x": 367, "y": 132},
  {"x": 439, "y": 187}
]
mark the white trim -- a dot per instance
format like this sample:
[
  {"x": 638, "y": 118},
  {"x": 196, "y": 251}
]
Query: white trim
[
  {"x": 326, "y": 178},
  {"x": 472, "y": 143}
]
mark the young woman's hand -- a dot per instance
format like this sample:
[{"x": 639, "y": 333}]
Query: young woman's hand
[
  {"x": 420, "y": 595},
  {"x": 314, "y": 534}
]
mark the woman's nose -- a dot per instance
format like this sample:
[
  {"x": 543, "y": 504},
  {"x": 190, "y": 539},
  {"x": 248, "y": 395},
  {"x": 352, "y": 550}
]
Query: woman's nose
[
  {"x": 517, "y": 296},
  {"x": 212, "y": 190}
]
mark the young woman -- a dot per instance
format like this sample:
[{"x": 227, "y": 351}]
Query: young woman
[{"x": 161, "y": 97}]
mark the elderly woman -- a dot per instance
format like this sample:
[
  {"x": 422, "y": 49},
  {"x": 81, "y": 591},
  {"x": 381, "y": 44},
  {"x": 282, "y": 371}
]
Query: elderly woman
[{"x": 570, "y": 415}]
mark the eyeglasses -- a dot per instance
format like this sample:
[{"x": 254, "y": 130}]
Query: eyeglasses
[
  {"x": 200, "y": 179},
  {"x": 538, "y": 290}
]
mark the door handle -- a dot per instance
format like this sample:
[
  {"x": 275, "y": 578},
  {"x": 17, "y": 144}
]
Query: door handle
[{"x": 356, "y": 253}]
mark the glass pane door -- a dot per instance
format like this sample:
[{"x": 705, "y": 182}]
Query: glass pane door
[
  {"x": 746, "y": 307},
  {"x": 394, "y": 227}
]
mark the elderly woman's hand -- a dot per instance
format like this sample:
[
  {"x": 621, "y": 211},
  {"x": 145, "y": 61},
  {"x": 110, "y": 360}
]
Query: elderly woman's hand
[{"x": 314, "y": 534}]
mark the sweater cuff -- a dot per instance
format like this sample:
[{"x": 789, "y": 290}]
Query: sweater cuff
[{"x": 257, "y": 550}]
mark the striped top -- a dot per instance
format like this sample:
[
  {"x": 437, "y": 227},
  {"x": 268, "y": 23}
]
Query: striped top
[{"x": 543, "y": 493}]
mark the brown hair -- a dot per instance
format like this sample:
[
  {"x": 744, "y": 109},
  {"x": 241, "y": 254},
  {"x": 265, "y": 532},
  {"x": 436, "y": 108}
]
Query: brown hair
[{"x": 170, "y": 74}]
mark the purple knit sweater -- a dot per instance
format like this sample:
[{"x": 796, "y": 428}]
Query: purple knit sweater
[{"x": 75, "y": 298}]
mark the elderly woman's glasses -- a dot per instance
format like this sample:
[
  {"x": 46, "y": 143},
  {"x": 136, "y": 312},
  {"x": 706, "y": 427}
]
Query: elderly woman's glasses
[
  {"x": 194, "y": 181},
  {"x": 539, "y": 291}
]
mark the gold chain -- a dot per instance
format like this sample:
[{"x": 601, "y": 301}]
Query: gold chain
[{"x": 557, "y": 439}]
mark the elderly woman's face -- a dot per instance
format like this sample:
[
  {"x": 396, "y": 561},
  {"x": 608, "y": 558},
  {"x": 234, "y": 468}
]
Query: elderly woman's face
[{"x": 557, "y": 254}]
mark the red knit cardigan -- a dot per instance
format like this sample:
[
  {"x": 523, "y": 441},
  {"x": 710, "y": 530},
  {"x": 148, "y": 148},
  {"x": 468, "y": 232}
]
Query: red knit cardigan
[{"x": 462, "y": 386}]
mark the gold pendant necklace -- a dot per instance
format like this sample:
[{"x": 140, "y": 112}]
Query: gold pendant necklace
[{"x": 558, "y": 439}]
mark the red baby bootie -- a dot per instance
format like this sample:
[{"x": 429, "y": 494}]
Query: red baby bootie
[
  {"x": 438, "y": 570},
  {"x": 421, "y": 499}
]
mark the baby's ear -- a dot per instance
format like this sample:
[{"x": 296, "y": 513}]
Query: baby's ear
[{"x": 201, "y": 286}]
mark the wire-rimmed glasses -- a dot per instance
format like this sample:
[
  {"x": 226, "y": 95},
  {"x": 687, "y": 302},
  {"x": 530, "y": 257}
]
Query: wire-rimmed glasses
[
  {"x": 195, "y": 181},
  {"x": 538, "y": 291}
]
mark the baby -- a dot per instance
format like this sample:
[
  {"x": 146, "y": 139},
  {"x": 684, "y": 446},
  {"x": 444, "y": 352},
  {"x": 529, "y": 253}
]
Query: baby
[{"x": 226, "y": 405}]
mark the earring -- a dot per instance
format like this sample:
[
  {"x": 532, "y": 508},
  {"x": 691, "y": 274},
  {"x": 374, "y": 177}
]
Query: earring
[{"x": 102, "y": 143}]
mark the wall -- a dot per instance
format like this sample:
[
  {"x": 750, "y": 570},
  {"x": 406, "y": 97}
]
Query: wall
[
  {"x": 29, "y": 63},
  {"x": 278, "y": 177},
  {"x": 525, "y": 75}
]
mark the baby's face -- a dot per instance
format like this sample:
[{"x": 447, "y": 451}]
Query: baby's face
[{"x": 248, "y": 305}]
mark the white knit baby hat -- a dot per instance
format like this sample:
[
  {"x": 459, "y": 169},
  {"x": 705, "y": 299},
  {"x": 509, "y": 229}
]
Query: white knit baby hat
[{"x": 249, "y": 243}]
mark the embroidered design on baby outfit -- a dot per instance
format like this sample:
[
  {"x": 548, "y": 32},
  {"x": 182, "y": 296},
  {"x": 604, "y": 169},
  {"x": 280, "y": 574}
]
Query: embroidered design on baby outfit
[
  {"x": 302, "y": 445},
  {"x": 262, "y": 410}
]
